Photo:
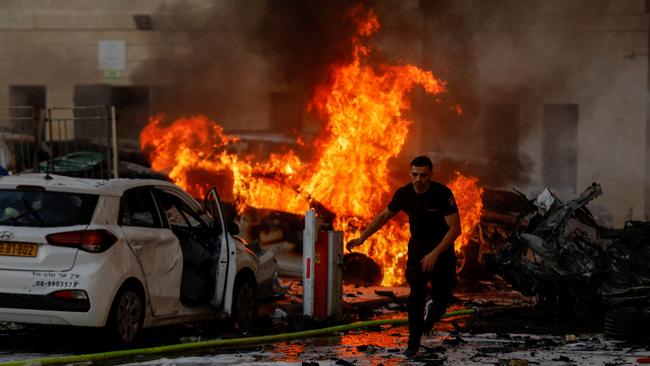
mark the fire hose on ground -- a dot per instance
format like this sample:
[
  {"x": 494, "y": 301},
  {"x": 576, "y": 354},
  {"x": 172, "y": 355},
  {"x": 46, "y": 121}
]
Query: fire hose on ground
[{"x": 222, "y": 343}]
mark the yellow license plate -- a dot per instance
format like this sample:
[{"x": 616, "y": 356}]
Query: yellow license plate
[{"x": 18, "y": 249}]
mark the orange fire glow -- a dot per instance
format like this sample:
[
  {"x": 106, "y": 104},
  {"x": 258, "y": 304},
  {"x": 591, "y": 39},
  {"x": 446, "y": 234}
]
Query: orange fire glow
[
  {"x": 363, "y": 107},
  {"x": 469, "y": 200}
]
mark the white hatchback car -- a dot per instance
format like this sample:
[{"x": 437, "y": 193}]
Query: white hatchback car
[{"x": 122, "y": 254}]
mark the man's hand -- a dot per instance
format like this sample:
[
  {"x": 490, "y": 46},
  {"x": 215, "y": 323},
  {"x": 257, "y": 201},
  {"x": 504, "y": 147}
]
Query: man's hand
[
  {"x": 429, "y": 261},
  {"x": 353, "y": 243},
  {"x": 374, "y": 225}
]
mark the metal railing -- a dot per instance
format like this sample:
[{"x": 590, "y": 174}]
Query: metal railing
[
  {"x": 76, "y": 141},
  {"x": 18, "y": 138}
]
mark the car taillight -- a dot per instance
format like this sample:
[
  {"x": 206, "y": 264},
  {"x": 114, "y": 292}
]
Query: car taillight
[{"x": 95, "y": 241}]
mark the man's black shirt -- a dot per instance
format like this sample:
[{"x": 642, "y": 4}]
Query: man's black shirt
[{"x": 426, "y": 212}]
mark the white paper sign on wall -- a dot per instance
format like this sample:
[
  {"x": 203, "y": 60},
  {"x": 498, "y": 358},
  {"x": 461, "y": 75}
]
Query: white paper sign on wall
[{"x": 111, "y": 55}]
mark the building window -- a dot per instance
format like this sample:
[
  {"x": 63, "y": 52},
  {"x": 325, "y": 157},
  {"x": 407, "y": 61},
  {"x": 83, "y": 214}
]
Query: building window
[
  {"x": 17, "y": 149},
  {"x": 27, "y": 96},
  {"x": 502, "y": 134},
  {"x": 560, "y": 156},
  {"x": 132, "y": 109}
]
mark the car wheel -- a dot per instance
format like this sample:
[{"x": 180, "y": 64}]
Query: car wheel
[
  {"x": 467, "y": 261},
  {"x": 460, "y": 260},
  {"x": 244, "y": 307},
  {"x": 126, "y": 317}
]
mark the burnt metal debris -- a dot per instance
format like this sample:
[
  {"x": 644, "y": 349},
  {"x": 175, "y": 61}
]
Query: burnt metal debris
[{"x": 576, "y": 268}]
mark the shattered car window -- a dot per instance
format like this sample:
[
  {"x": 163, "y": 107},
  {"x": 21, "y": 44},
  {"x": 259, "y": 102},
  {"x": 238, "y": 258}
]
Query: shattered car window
[
  {"x": 45, "y": 209},
  {"x": 178, "y": 212},
  {"x": 175, "y": 217},
  {"x": 139, "y": 209}
]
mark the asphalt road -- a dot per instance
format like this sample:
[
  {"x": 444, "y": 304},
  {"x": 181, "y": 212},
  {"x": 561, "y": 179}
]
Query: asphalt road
[{"x": 461, "y": 341}]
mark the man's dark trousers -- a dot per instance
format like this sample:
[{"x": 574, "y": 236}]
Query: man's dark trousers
[{"x": 443, "y": 280}]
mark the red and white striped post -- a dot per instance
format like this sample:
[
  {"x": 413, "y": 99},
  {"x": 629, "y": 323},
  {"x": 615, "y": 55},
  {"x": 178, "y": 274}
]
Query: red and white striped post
[{"x": 322, "y": 270}]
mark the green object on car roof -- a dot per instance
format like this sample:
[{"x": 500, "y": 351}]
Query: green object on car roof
[{"x": 74, "y": 162}]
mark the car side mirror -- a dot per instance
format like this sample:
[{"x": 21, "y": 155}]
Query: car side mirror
[{"x": 232, "y": 227}]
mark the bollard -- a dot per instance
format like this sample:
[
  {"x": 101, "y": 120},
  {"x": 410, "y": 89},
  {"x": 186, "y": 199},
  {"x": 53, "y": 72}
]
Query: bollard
[{"x": 322, "y": 270}]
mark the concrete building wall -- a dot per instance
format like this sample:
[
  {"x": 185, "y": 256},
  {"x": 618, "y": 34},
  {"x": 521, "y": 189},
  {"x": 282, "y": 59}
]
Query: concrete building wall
[
  {"x": 593, "y": 54},
  {"x": 598, "y": 74},
  {"x": 55, "y": 44}
]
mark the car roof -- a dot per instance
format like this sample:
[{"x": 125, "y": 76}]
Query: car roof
[{"x": 60, "y": 183}]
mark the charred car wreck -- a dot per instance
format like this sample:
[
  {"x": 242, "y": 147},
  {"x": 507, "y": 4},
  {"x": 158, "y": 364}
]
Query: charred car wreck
[{"x": 576, "y": 268}]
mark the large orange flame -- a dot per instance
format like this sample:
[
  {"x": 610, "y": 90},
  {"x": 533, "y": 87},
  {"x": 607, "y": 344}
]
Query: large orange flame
[
  {"x": 469, "y": 199},
  {"x": 365, "y": 127}
]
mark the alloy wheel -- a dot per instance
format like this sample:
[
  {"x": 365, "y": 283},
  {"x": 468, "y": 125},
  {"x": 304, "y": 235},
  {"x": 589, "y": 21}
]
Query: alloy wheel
[{"x": 129, "y": 316}]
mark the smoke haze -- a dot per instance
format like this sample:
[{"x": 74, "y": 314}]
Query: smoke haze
[{"x": 501, "y": 59}]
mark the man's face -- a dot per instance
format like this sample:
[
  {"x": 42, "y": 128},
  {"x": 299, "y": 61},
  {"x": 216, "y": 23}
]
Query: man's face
[{"x": 421, "y": 178}]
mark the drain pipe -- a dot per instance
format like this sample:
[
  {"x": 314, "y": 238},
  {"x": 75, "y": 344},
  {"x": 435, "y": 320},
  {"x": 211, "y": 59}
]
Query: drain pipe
[{"x": 218, "y": 343}]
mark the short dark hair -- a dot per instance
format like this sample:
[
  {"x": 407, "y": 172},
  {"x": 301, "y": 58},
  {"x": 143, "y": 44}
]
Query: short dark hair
[{"x": 422, "y": 160}]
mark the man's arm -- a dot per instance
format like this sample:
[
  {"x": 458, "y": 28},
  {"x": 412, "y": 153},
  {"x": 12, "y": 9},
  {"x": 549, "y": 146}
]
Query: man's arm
[
  {"x": 453, "y": 222},
  {"x": 376, "y": 224}
]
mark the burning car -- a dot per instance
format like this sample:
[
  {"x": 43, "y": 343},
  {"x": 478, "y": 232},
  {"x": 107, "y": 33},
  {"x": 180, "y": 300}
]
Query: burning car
[
  {"x": 499, "y": 213},
  {"x": 122, "y": 254},
  {"x": 574, "y": 266}
]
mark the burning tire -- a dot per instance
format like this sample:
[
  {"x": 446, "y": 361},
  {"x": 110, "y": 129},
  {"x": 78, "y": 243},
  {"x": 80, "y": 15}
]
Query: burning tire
[
  {"x": 468, "y": 265},
  {"x": 244, "y": 305},
  {"x": 126, "y": 316},
  {"x": 361, "y": 270}
]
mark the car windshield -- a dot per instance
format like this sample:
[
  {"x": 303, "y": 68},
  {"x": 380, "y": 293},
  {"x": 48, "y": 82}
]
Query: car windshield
[{"x": 45, "y": 209}]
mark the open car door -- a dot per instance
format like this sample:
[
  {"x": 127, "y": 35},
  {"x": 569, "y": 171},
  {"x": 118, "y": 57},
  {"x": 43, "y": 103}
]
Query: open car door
[{"x": 227, "y": 266}]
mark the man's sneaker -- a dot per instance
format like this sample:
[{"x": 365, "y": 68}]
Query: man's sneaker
[{"x": 410, "y": 352}]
